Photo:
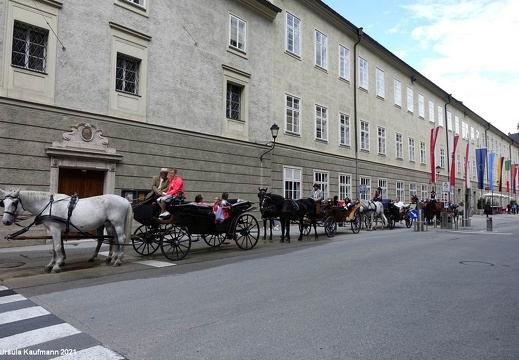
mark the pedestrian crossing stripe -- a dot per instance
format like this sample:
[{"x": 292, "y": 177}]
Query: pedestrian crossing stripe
[{"x": 25, "y": 326}]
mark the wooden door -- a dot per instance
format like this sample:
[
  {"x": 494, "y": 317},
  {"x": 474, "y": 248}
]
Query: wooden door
[{"x": 85, "y": 183}]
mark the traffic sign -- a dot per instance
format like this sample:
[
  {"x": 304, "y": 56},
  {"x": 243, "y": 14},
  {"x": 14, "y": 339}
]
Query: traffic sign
[
  {"x": 362, "y": 189},
  {"x": 446, "y": 186},
  {"x": 413, "y": 214}
]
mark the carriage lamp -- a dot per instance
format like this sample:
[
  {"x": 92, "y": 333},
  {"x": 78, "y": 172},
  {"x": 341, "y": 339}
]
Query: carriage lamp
[{"x": 274, "y": 130}]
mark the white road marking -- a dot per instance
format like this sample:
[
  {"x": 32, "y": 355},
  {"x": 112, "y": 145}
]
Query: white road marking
[
  {"x": 11, "y": 298},
  {"x": 38, "y": 336},
  {"x": 22, "y": 314},
  {"x": 96, "y": 352},
  {"x": 3, "y": 288},
  {"x": 155, "y": 263}
]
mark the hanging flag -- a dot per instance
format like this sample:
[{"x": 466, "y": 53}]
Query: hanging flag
[
  {"x": 490, "y": 175},
  {"x": 508, "y": 164},
  {"x": 481, "y": 157},
  {"x": 467, "y": 168},
  {"x": 512, "y": 176},
  {"x": 453, "y": 162},
  {"x": 500, "y": 161},
  {"x": 434, "y": 136}
]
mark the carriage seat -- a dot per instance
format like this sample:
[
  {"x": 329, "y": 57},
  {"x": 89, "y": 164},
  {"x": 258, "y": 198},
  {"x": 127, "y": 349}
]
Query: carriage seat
[{"x": 386, "y": 203}]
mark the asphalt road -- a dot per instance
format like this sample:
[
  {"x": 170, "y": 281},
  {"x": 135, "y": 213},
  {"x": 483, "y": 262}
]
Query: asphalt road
[{"x": 398, "y": 294}]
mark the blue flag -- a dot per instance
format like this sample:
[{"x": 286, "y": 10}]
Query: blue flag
[
  {"x": 491, "y": 157},
  {"x": 481, "y": 157}
]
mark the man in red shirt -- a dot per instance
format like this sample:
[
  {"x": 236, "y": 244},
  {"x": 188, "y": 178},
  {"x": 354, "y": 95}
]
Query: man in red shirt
[{"x": 175, "y": 186}]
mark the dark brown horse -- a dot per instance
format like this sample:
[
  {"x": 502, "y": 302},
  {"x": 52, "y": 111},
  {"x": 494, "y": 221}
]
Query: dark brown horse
[{"x": 432, "y": 209}]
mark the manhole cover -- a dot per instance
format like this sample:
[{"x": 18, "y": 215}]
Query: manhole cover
[
  {"x": 8, "y": 265},
  {"x": 476, "y": 263}
]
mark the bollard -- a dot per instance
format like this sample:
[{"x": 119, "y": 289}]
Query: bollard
[{"x": 489, "y": 223}]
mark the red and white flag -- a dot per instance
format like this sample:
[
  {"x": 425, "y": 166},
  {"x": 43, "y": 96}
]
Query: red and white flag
[
  {"x": 434, "y": 136},
  {"x": 453, "y": 160}
]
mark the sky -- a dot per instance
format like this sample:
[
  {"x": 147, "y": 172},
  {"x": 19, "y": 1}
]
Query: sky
[{"x": 466, "y": 47}]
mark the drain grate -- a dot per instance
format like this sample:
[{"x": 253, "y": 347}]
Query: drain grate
[
  {"x": 9, "y": 265},
  {"x": 476, "y": 263}
]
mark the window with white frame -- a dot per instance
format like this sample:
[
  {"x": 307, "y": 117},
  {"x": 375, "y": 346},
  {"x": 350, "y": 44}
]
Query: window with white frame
[
  {"x": 478, "y": 143},
  {"x": 344, "y": 63},
  {"x": 424, "y": 192},
  {"x": 399, "y": 143},
  {"x": 233, "y": 101},
  {"x": 398, "y": 93},
  {"x": 458, "y": 163},
  {"x": 366, "y": 181},
  {"x": 412, "y": 190},
  {"x": 363, "y": 73},
  {"x": 344, "y": 186},
  {"x": 411, "y": 148},
  {"x": 473, "y": 172},
  {"x": 321, "y": 50},
  {"x": 293, "y": 108},
  {"x": 292, "y": 182},
  {"x": 381, "y": 140},
  {"x": 382, "y": 183},
  {"x": 380, "y": 83},
  {"x": 431, "y": 111},
  {"x": 321, "y": 123},
  {"x": 364, "y": 135},
  {"x": 237, "y": 33},
  {"x": 29, "y": 49},
  {"x": 423, "y": 153},
  {"x": 465, "y": 131},
  {"x": 410, "y": 99},
  {"x": 141, "y": 3},
  {"x": 442, "y": 158},
  {"x": 293, "y": 35},
  {"x": 344, "y": 129},
  {"x": 421, "y": 106},
  {"x": 400, "y": 190},
  {"x": 449, "y": 120},
  {"x": 127, "y": 74},
  {"x": 321, "y": 178},
  {"x": 440, "y": 116},
  {"x": 457, "y": 124},
  {"x": 472, "y": 135}
]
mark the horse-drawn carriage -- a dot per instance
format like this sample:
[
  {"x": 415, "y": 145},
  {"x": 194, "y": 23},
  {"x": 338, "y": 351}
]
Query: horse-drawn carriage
[
  {"x": 189, "y": 223},
  {"x": 393, "y": 213},
  {"x": 333, "y": 216}
]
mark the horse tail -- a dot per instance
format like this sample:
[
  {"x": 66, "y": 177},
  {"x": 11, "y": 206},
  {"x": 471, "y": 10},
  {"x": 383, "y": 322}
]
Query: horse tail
[{"x": 128, "y": 222}]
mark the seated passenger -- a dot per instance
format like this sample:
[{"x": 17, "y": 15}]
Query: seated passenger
[
  {"x": 218, "y": 211},
  {"x": 199, "y": 200},
  {"x": 176, "y": 186},
  {"x": 225, "y": 205},
  {"x": 347, "y": 203},
  {"x": 400, "y": 205}
]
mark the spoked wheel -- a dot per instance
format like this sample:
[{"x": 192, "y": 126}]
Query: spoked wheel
[
  {"x": 305, "y": 227},
  {"x": 408, "y": 221},
  {"x": 146, "y": 239},
  {"x": 330, "y": 226},
  {"x": 214, "y": 240},
  {"x": 356, "y": 222},
  {"x": 175, "y": 242},
  {"x": 246, "y": 231},
  {"x": 392, "y": 222}
]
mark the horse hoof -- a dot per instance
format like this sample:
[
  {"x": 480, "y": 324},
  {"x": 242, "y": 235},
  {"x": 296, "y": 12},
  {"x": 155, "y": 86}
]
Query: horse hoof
[
  {"x": 56, "y": 270},
  {"x": 116, "y": 264},
  {"x": 288, "y": 241},
  {"x": 91, "y": 260},
  {"x": 281, "y": 241},
  {"x": 48, "y": 269}
]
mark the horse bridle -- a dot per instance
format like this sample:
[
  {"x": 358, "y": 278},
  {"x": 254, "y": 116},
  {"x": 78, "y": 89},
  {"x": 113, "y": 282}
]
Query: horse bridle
[
  {"x": 271, "y": 208},
  {"x": 15, "y": 203}
]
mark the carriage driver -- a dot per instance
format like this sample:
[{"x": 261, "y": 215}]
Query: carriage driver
[
  {"x": 433, "y": 195},
  {"x": 317, "y": 193},
  {"x": 377, "y": 194},
  {"x": 159, "y": 185},
  {"x": 176, "y": 185}
]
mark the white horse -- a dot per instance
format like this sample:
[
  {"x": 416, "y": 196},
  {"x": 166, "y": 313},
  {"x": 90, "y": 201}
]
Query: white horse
[
  {"x": 93, "y": 213},
  {"x": 373, "y": 210}
]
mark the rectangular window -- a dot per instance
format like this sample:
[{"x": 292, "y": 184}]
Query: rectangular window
[
  {"x": 478, "y": 143},
  {"x": 411, "y": 150},
  {"x": 363, "y": 73},
  {"x": 412, "y": 191},
  {"x": 400, "y": 190},
  {"x": 423, "y": 153},
  {"x": 321, "y": 178},
  {"x": 127, "y": 74},
  {"x": 293, "y": 35},
  {"x": 293, "y": 108},
  {"x": 344, "y": 129},
  {"x": 457, "y": 124},
  {"x": 292, "y": 182},
  {"x": 233, "y": 101},
  {"x": 410, "y": 100},
  {"x": 398, "y": 93},
  {"x": 440, "y": 116},
  {"x": 473, "y": 172},
  {"x": 366, "y": 181},
  {"x": 344, "y": 63},
  {"x": 382, "y": 183},
  {"x": 424, "y": 192},
  {"x": 344, "y": 186},
  {"x": 29, "y": 47},
  {"x": 421, "y": 106},
  {"x": 449, "y": 120},
  {"x": 472, "y": 135},
  {"x": 465, "y": 131},
  {"x": 321, "y": 46},
  {"x": 141, "y": 3},
  {"x": 321, "y": 123},
  {"x": 442, "y": 158},
  {"x": 431, "y": 111},
  {"x": 399, "y": 146},
  {"x": 237, "y": 33},
  {"x": 364, "y": 135},
  {"x": 380, "y": 83},
  {"x": 458, "y": 164},
  {"x": 381, "y": 140}
]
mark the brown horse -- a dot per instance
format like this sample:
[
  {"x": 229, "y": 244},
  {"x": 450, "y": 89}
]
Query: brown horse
[{"x": 432, "y": 209}]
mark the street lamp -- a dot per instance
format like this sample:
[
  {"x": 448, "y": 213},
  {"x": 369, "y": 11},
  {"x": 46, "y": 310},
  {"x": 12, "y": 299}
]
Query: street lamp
[
  {"x": 438, "y": 169},
  {"x": 274, "y": 130}
]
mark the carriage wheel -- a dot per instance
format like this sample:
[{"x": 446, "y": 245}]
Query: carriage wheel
[
  {"x": 330, "y": 226},
  {"x": 175, "y": 242},
  {"x": 246, "y": 231},
  {"x": 305, "y": 227},
  {"x": 214, "y": 240},
  {"x": 356, "y": 222},
  {"x": 392, "y": 222},
  {"x": 146, "y": 239},
  {"x": 408, "y": 221}
]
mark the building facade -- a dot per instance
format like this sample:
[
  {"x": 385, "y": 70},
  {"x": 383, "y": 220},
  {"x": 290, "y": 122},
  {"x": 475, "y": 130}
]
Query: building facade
[{"x": 95, "y": 99}]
